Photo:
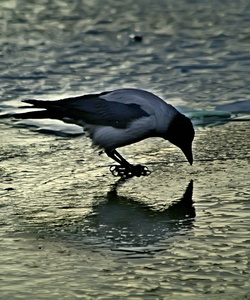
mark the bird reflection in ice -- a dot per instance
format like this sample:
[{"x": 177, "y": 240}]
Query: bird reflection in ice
[{"x": 123, "y": 222}]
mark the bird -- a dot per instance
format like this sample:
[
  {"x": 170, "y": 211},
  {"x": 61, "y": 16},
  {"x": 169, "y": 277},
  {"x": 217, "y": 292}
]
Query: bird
[{"x": 117, "y": 118}]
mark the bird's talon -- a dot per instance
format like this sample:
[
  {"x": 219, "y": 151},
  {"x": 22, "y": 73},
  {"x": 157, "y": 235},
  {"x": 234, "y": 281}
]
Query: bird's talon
[
  {"x": 146, "y": 171},
  {"x": 129, "y": 172},
  {"x": 115, "y": 170}
]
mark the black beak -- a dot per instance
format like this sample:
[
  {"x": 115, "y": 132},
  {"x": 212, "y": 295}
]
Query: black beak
[{"x": 188, "y": 153}]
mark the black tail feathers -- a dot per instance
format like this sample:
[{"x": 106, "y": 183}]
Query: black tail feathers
[
  {"x": 50, "y": 113},
  {"x": 38, "y": 103},
  {"x": 44, "y": 114}
]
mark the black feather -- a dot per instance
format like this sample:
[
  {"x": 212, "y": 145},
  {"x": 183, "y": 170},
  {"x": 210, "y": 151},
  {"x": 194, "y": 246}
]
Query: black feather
[
  {"x": 90, "y": 109},
  {"x": 43, "y": 114}
]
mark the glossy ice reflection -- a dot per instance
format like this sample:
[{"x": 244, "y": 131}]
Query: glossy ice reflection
[
  {"x": 122, "y": 221},
  {"x": 63, "y": 216}
]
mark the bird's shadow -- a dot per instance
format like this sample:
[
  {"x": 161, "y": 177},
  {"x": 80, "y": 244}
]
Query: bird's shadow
[
  {"x": 118, "y": 223},
  {"x": 123, "y": 222}
]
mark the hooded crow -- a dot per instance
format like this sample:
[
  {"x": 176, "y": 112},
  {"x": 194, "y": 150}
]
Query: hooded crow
[{"x": 118, "y": 118}]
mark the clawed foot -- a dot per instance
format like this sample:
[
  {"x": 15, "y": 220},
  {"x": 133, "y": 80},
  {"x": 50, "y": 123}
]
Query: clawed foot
[{"x": 129, "y": 171}]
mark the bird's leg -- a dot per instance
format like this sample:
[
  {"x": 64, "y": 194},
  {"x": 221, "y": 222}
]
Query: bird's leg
[
  {"x": 126, "y": 170},
  {"x": 118, "y": 158}
]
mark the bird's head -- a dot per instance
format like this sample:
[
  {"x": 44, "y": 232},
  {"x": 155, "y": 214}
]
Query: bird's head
[{"x": 181, "y": 133}]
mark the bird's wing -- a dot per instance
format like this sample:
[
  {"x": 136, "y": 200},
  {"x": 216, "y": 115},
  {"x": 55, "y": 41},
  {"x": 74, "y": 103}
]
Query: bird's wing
[{"x": 91, "y": 109}]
